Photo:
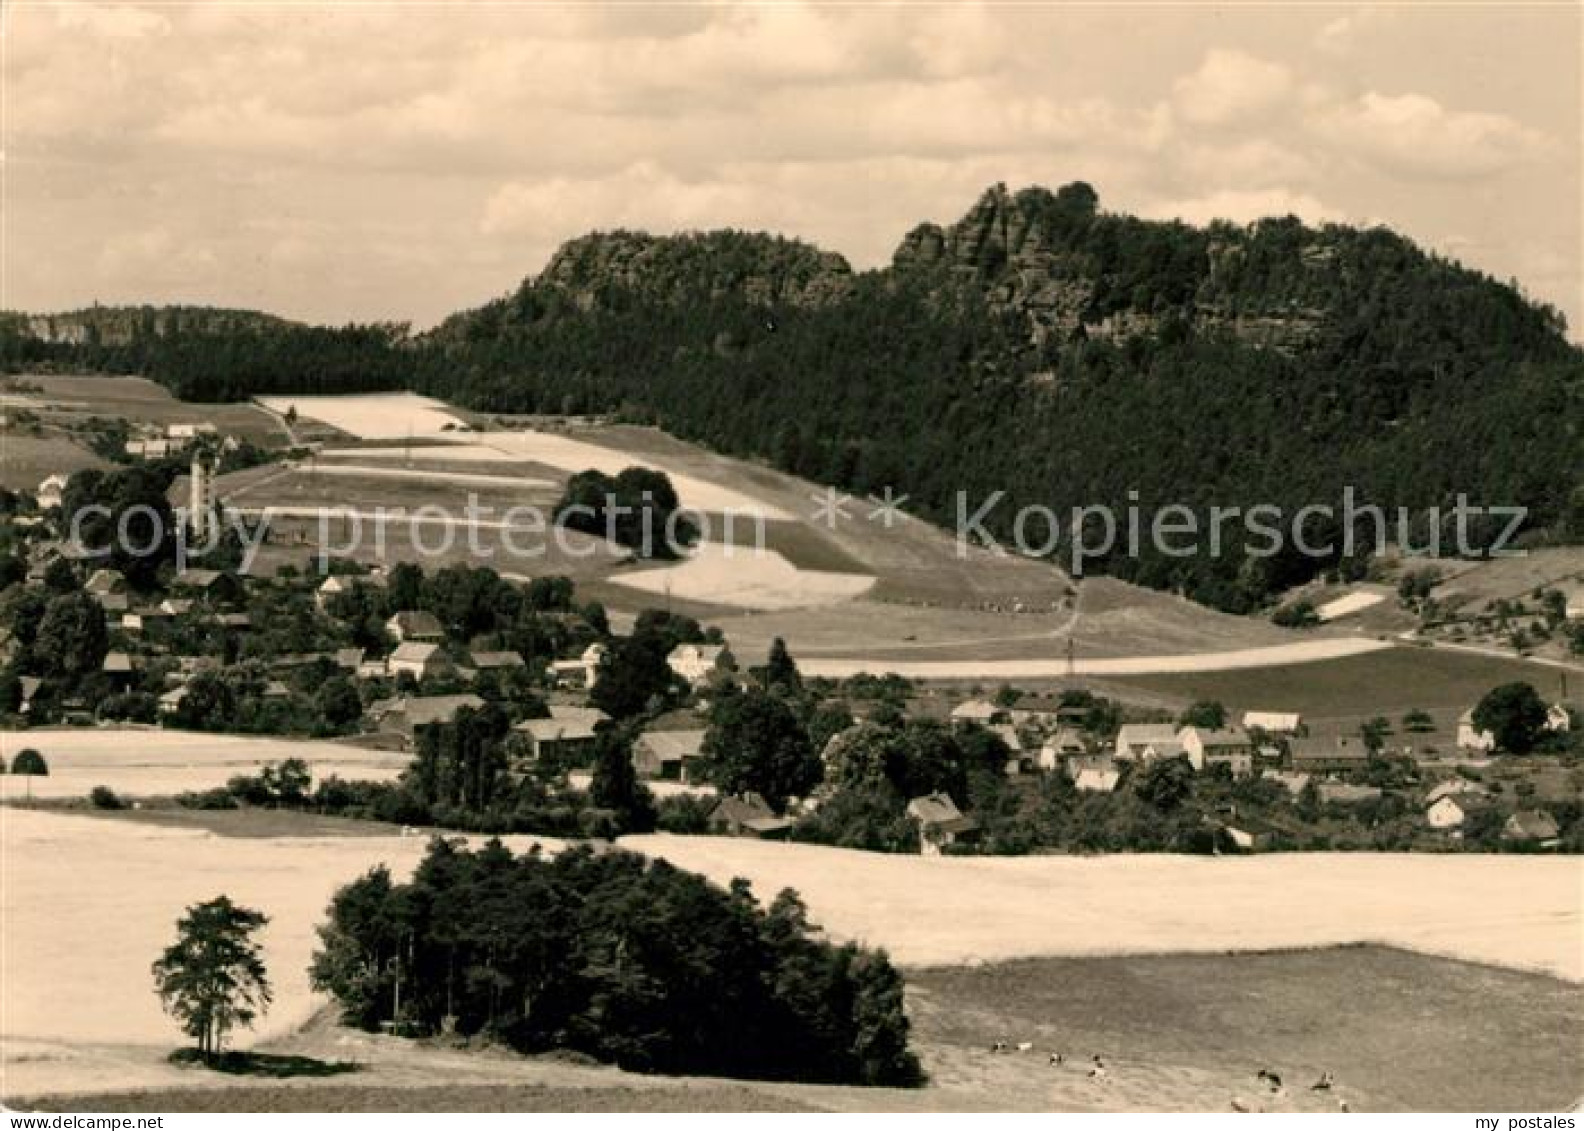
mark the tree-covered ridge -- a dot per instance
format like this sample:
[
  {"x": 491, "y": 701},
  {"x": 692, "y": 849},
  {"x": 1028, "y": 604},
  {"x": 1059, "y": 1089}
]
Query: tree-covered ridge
[{"x": 1039, "y": 347}]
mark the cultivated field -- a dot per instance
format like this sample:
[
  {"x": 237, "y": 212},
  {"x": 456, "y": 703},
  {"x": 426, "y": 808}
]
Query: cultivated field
[
  {"x": 26, "y": 461},
  {"x": 1352, "y": 688},
  {"x": 745, "y": 578},
  {"x": 89, "y": 901},
  {"x": 141, "y": 401},
  {"x": 139, "y": 762}
]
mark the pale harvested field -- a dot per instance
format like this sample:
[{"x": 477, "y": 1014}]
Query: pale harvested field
[
  {"x": 1356, "y": 601},
  {"x": 1271, "y": 656},
  {"x": 143, "y": 401},
  {"x": 87, "y": 903},
  {"x": 139, "y": 762},
  {"x": 373, "y": 416},
  {"x": 744, "y": 577},
  {"x": 1525, "y": 912}
]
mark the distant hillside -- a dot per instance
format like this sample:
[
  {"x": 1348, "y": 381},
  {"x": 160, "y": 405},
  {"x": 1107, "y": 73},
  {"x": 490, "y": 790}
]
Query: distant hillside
[{"x": 1038, "y": 346}]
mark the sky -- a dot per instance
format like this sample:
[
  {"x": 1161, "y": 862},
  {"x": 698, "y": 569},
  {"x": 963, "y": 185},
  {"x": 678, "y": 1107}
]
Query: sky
[{"x": 352, "y": 161}]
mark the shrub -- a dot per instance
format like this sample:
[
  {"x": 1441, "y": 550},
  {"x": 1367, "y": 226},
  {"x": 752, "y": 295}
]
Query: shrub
[
  {"x": 30, "y": 761},
  {"x": 103, "y": 797}
]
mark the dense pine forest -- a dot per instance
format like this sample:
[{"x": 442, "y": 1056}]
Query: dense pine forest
[{"x": 1040, "y": 346}]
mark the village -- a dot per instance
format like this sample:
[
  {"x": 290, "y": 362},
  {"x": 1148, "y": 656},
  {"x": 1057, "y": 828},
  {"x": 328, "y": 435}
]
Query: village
[{"x": 347, "y": 655}]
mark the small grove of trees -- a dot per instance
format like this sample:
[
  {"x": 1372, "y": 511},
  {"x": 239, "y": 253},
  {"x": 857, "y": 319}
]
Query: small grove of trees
[
  {"x": 30, "y": 761},
  {"x": 212, "y": 979},
  {"x": 1514, "y": 715},
  {"x": 615, "y": 956},
  {"x": 636, "y": 508}
]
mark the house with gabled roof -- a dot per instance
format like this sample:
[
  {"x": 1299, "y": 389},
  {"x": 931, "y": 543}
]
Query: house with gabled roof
[
  {"x": 415, "y": 624},
  {"x": 668, "y": 754},
  {"x": 747, "y": 814},
  {"x": 940, "y": 823}
]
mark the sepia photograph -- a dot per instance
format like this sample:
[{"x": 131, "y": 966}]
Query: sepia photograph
[{"x": 791, "y": 556}]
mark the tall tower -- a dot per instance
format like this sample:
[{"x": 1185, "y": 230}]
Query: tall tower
[{"x": 201, "y": 507}]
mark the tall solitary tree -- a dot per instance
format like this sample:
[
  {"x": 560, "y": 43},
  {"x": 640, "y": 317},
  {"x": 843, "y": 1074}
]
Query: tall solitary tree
[{"x": 212, "y": 978}]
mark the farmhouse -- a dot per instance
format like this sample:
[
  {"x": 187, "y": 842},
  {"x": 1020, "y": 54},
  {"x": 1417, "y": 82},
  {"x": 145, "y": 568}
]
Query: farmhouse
[
  {"x": 406, "y": 713},
  {"x": 578, "y": 674},
  {"x": 697, "y": 662},
  {"x": 1291, "y": 780},
  {"x": 1452, "y": 811},
  {"x": 495, "y": 661},
  {"x": 1471, "y": 737},
  {"x": 118, "y": 666},
  {"x": 414, "y": 624},
  {"x": 1147, "y": 742},
  {"x": 1230, "y": 746},
  {"x": 1328, "y": 755},
  {"x": 211, "y": 585},
  {"x": 1094, "y": 779},
  {"x": 747, "y": 814},
  {"x": 1065, "y": 743},
  {"x": 1343, "y": 793},
  {"x": 1273, "y": 722},
  {"x": 940, "y": 823},
  {"x": 980, "y": 711},
  {"x": 418, "y": 659},
  {"x": 1558, "y": 719},
  {"x": 103, "y": 582},
  {"x": 1533, "y": 827},
  {"x": 569, "y": 732},
  {"x": 666, "y": 754},
  {"x": 50, "y": 491}
]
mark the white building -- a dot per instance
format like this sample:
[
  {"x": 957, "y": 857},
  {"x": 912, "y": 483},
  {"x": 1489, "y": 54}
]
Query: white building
[
  {"x": 697, "y": 662},
  {"x": 1470, "y": 737},
  {"x": 1273, "y": 722},
  {"x": 50, "y": 491}
]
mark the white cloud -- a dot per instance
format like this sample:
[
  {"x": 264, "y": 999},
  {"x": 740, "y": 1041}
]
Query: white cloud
[
  {"x": 1243, "y": 206},
  {"x": 1231, "y": 87},
  {"x": 1414, "y": 135}
]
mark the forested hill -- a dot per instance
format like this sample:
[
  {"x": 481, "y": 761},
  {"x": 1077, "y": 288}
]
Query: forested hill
[{"x": 1039, "y": 346}]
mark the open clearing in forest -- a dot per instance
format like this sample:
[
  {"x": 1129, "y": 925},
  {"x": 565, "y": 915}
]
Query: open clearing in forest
[{"x": 137, "y": 762}]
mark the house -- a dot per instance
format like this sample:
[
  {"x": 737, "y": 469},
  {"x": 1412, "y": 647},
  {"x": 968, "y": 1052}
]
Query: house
[
  {"x": 103, "y": 582},
  {"x": 1292, "y": 781},
  {"x": 569, "y": 733},
  {"x": 406, "y": 713},
  {"x": 171, "y": 701},
  {"x": 747, "y": 814},
  {"x": 495, "y": 661},
  {"x": 50, "y": 491},
  {"x": 414, "y": 624},
  {"x": 1273, "y": 722},
  {"x": 118, "y": 666},
  {"x": 1451, "y": 811},
  {"x": 1229, "y": 745},
  {"x": 333, "y": 586},
  {"x": 940, "y": 823},
  {"x": 1575, "y": 605},
  {"x": 28, "y": 686},
  {"x": 234, "y": 621},
  {"x": 348, "y": 659},
  {"x": 980, "y": 711},
  {"x": 1344, "y": 794},
  {"x": 1019, "y": 760},
  {"x": 1558, "y": 719},
  {"x": 1452, "y": 787},
  {"x": 667, "y": 754},
  {"x": 1075, "y": 764},
  {"x": 149, "y": 449},
  {"x": 1328, "y": 755},
  {"x": 211, "y": 585},
  {"x": 1059, "y": 747},
  {"x": 1238, "y": 840},
  {"x": 1094, "y": 779},
  {"x": 113, "y": 604},
  {"x": 697, "y": 662},
  {"x": 1471, "y": 737},
  {"x": 1147, "y": 742},
  {"x": 578, "y": 674},
  {"x": 418, "y": 658},
  {"x": 1533, "y": 827}
]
